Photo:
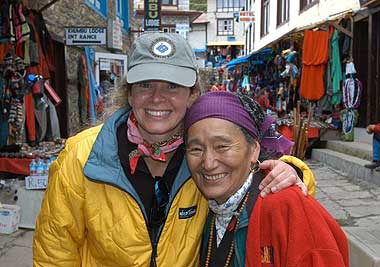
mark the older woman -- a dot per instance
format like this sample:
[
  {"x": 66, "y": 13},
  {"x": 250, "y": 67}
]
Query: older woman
[{"x": 225, "y": 136}]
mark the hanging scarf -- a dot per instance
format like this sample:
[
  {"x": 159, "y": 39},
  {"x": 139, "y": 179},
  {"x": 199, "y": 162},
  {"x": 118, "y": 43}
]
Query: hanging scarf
[
  {"x": 352, "y": 91},
  {"x": 156, "y": 151},
  {"x": 225, "y": 211},
  {"x": 349, "y": 118}
]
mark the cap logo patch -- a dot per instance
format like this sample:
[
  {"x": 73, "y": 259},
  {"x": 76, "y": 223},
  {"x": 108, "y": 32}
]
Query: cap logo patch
[{"x": 162, "y": 48}]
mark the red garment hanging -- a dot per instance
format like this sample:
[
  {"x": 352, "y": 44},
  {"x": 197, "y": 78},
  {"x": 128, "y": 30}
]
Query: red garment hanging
[
  {"x": 30, "y": 118},
  {"x": 315, "y": 57}
]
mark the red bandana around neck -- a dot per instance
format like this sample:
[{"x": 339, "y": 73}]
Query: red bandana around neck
[{"x": 156, "y": 151}]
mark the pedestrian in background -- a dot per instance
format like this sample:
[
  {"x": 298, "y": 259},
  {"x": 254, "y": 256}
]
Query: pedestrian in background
[
  {"x": 375, "y": 130},
  {"x": 121, "y": 194}
]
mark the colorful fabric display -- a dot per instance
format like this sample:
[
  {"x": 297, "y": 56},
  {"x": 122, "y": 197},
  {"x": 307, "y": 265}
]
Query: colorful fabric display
[
  {"x": 349, "y": 118},
  {"x": 315, "y": 57}
]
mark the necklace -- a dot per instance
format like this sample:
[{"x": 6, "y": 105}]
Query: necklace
[{"x": 211, "y": 237}]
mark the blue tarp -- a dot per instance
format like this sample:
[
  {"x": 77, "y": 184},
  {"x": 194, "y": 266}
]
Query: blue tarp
[
  {"x": 254, "y": 57},
  {"x": 238, "y": 60},
  {"x": 199, "y": 50}
]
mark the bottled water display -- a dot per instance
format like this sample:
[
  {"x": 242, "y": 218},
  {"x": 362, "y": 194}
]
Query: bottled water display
[{"x": 40, "y": 167}]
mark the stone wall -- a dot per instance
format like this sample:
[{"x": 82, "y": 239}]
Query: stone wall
[{"x": 67, "y": 13}]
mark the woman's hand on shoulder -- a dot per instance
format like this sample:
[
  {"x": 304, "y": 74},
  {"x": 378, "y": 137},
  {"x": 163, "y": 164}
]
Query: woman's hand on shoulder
[{"x": 281, "y": 175}]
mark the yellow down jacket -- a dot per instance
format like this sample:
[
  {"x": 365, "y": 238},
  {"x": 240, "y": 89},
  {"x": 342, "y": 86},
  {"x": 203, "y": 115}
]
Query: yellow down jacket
[{"x": 92, "y": 216}]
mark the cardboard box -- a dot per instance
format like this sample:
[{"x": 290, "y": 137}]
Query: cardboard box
[
  {"x": 9, "y": 218},
  {"x": 36, "y": 182}
]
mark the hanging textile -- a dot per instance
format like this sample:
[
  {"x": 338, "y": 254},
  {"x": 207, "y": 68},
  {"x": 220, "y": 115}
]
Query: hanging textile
[
  {"x": 314, "y": 59},
  {"x": 336, "y": 69},
  {"x": 90, "y": 56},
  {"x": 349, "y": 118},
  {"x": 83, "y": 88},
  {"x": 42, "y": 68},
  {"x": 352, "y": 91}
]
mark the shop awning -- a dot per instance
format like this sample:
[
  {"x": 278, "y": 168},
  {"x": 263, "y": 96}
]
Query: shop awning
[
  {"x": 225, "y": 43},
  {"x": 254, "y": 58},
  {"x": 238, "y": 60},
  {"x": 199, "y": 50}
]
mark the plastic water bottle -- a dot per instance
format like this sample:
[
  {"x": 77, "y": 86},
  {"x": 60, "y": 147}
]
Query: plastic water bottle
[
  {"x": 32, "y": 168},
  {"x": 46, "y": 167},
  {"x": 40, "y": 167}
]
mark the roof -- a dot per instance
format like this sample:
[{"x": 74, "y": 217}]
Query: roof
[
  {"x": 165, "y": 12},
  {"x": 202, "y": 19}
]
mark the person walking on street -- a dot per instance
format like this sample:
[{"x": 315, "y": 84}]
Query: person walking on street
[{"x": 120, "y": 193}]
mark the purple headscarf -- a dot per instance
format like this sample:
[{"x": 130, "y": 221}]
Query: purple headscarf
[{"x": 242, "y": 111}]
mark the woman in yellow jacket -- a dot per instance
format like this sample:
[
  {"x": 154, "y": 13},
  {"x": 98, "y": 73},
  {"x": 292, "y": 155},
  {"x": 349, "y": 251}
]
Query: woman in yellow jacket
[{"x": 120, "y": 194}]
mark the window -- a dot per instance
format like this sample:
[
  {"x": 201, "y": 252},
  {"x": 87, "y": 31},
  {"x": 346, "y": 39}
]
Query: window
[
  {"x": 251, "y": 37},
  {"x": 229, "y": 5},
  {"x": 99, "y": 6},
  {"x": 225, "y": 26},
  {"x": 169, "y": 2},
  {"x": 264, "y": 17},
  {"x": 304, "y": 4},
  {"x": 169, "y": 28},
  {"x": 122, "y": 13},
  {"x": 282, "y": 11}
]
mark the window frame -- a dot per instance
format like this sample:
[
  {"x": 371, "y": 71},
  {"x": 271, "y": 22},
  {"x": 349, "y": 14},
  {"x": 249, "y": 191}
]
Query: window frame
[
  {"x": 306, "y": 4},
  {"x": 230, "y": 7},
  {"x": 264, "y": 25},
  {"x": 283, "y": 13},
  {"x": 225, "y": 19},
  {"x": 171, "y": 28},
  {"x": 102, "y": 10},
  {"x": 170, "y": 3}
]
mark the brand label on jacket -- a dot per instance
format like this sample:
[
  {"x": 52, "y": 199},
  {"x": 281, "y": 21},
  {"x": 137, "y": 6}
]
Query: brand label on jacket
[
  {"x": 267, "y": 255},
  {"x": 185, "y": 213}
]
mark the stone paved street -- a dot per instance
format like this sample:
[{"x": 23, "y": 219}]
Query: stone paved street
[{"x": 354, "y": 205}]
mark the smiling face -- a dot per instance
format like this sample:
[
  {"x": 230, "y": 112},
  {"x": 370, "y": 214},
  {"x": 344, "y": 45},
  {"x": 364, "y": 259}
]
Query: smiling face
[
  {"x": 159, "y": 108},
  {"x": 219, "y": 157}
]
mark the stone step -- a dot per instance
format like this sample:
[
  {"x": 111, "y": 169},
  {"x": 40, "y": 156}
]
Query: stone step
[
  {"x": 361, "y": 136},
  {"x": 356, "y": 149},
  {"x": 364, "y": 246},
  {"x": 351, "y": 166}
]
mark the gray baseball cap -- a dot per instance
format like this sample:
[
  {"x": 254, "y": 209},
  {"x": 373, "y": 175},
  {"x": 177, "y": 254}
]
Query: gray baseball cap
[{"x": 162, "y": 56}]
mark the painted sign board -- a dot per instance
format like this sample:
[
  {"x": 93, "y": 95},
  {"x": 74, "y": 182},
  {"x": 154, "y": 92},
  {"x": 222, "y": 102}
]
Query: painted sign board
[
  {"x": 246, "y": 16},
  {"x": 152, "y": 15},
  {"x": 82, "y": 36}
]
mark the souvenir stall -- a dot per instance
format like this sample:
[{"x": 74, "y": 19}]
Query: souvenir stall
[
  {"x": 28, "y": 115},
  {"x": 30, "y": 135},
  {"x": 309, "y": 69}
]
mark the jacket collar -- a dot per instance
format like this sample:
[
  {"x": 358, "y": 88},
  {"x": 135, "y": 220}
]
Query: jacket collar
[{"x": 104, "y": 166}]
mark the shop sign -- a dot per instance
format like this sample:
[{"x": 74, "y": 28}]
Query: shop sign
[
  {"x": 105, "y": 65},
  {"x": 182, "y": 29},
  {"x": 82, "y": 36},
  {"x": 152, "y": 18},
  {"x": 115, "y": 34},
  {"x": 36, "y": 182},
  {"x": 246, "y": 16}
]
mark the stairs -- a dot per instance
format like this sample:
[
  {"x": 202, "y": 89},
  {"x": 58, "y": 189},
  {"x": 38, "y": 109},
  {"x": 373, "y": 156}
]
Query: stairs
[{"x": 349, "y": 158}]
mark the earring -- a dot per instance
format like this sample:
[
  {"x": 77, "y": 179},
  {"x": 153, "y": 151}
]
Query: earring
[{"x": 254, "y": 166}]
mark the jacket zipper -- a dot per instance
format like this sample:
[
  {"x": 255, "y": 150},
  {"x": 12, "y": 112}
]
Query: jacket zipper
[{"x": 154, "y": 253}]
